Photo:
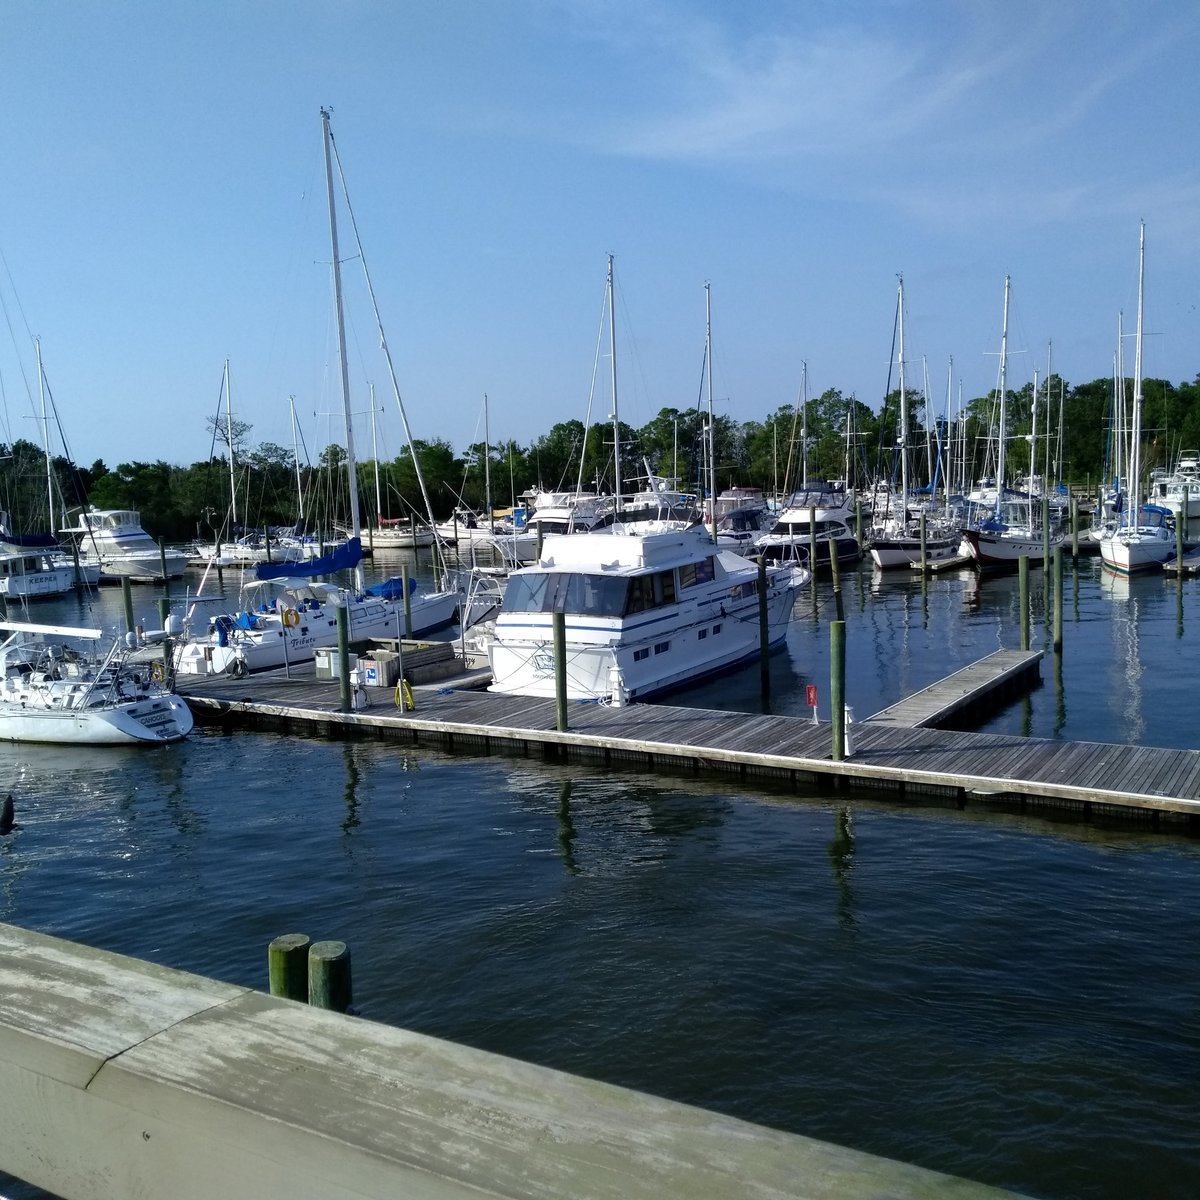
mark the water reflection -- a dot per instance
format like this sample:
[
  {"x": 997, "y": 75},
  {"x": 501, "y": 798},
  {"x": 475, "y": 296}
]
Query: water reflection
[
  {"x": 350, "y": 793},
  {"x": 566, "y": 828},
  {"x": 841, "y": 855}
]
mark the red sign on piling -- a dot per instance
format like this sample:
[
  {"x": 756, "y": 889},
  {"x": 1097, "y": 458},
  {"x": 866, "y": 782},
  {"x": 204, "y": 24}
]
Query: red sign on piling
[{"x": 810, "y": 694}]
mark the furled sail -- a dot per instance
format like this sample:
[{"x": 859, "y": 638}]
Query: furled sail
[{"x": 340, "y": 558}]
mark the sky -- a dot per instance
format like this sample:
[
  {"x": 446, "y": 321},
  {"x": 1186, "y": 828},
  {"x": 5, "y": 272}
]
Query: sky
[{"x": 163, "y": 208}]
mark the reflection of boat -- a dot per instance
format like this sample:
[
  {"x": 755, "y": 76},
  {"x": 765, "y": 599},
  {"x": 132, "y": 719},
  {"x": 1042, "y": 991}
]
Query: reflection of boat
[
  {"x": 51, "y": 693},
  {"x": 644, "y": 613}
]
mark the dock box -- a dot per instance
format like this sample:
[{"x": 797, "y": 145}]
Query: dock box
[
  {"x": 328, "y": 662},
  {"x": 380, "y": 669}
]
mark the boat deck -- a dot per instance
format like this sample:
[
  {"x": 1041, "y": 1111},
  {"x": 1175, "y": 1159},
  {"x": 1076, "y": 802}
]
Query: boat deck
[{"x": 882, "y": 753}]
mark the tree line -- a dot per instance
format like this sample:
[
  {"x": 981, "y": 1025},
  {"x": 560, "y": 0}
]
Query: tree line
[{"x": 830, "y": 437}]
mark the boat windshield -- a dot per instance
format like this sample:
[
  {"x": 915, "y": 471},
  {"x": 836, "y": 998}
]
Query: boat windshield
[{"x": 567, "y": 591}]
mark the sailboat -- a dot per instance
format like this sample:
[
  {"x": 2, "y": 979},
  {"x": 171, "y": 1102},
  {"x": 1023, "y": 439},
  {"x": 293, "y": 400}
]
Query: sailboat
[
  {"x": 1013, "y": 529},
  {"x": 1142, "y": 537},
  {"x": 895, "y": 540},
  {"x": 293, "y": 616},
  {"x": 52, "y": 692},
  {"x": 644, "y": 612}
]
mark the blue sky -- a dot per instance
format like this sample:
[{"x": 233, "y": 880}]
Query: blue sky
[{"x": 163, "y": 205}]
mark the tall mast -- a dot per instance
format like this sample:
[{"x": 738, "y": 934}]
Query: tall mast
[
  {"x": 375, "y": 460},
  {"x": 803, "y": 421},
  {"x": 712, "y": 431},
  {"x": 229, "y": 435},
  {"x": 903, "y": 415},
  {"x": 487, "y": 466},
  {"x": 296, "y": 460},
  {"x": 1135, "y": 438},
  {"x": 1003, "y": 401},
  {"x": 45, "y": 434},
  {"x": 355, "y": 519},
  {"x": 616, "y": 420}
]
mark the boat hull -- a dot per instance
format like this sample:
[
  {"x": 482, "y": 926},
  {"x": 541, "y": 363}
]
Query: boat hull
[
  {"x": 155, "y": 721},
  {"x": 261, "y": 641}
]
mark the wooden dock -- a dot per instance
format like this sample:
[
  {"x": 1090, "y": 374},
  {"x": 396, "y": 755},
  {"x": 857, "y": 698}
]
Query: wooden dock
[
  {"x": 993, "y": 679},
  {"x": 976, "y": 768}
]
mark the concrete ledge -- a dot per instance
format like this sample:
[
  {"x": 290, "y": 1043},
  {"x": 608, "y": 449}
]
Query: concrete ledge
[{"x": 120, "y": 1078}]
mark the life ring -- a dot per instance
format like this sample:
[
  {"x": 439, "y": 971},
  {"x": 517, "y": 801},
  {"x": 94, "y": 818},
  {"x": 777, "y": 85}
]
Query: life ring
[
  {"x": 156, "y": 672},
  {"x": 291, "y": 618}
]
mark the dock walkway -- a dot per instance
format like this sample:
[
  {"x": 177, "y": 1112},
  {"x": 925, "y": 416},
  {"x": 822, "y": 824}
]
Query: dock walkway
[
  {"x": 984, "y": 682},
  {"x": 981, "y": 767}
]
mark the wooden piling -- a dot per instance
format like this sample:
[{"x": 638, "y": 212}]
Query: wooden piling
[
  {"x": 127, "y": 598},
  {"x": 559, "y": 620},
  {"x": 837, "y": 687},
  {"x": 329, "y": 980},
  {"x": 343, "y": 642},
  {"x": 835, "y": 571},
  {"x": 1074, "y": 526},
  {"x": 162, "y": 558},
  {"x": 287, "y": 966},
  {"x": 1023, "y": 601},
  {"x": 764, "y": 638}
]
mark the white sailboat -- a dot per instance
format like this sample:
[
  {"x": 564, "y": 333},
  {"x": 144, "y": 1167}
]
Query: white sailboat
[
  {"x": 285, "y": 618},
  {"x": 1013, "y": 529},
  {"x": 50, "y": 692},
  {"x": 1142, "y": 537},
  {"x": 895, "y": 540}
]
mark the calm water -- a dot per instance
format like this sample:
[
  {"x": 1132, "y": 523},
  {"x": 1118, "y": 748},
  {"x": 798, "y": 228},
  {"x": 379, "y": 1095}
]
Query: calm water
[{"x": 1005, "y": 998}]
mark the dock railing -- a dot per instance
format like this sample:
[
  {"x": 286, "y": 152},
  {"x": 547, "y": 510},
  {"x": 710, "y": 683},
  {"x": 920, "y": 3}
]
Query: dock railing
[{"x": 121, "y": 1078}]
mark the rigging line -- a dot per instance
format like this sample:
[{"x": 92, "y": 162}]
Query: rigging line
[{"x": 383, "y": 339}]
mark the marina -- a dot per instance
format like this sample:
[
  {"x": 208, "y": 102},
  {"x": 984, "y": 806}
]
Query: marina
[
  {"x": 894, "y": 748},
  {"x": 789, "y": 950}
]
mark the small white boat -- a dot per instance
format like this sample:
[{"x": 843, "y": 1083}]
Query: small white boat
[
  {"x": 113, "y": 540},
  {"x": 50, "y": 692}
]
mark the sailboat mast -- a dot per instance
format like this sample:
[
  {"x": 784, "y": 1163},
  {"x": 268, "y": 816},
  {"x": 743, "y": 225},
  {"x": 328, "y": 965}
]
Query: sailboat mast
[
  {"x": 355, "y": 518},
  {"x": 375, "y": 460},
  {"x": 487, "y": 466},
  {"x": 45, "y": 433},
  {"x": 803, "y": 421},
  {"x": 1003, "y": 430},
  {"x": 1135, "y": 438},
  {"x": 296, "y": 460},
  {"x": 616, "y": 420},
  {"x": 712, "y": 431},
  {"x": 903, "y": 416},
  {"x": 229, "y": 435}
]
